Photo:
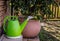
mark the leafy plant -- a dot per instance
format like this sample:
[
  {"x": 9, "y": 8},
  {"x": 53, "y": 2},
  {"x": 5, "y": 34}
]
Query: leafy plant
[{"x": 36, "y": 8}]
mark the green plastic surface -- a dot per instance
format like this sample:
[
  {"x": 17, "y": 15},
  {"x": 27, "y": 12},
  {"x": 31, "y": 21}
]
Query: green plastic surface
[{"x": 14, "y": 28}]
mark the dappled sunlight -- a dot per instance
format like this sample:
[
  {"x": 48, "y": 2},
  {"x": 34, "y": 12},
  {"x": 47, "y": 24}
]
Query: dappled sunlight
[{"x": 52, "y": 29}]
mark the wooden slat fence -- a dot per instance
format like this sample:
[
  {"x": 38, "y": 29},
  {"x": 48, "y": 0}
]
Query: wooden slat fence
[{"x": 55, "y": 10}]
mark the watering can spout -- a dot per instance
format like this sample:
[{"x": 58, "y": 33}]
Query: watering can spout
[
  {"x": 14, "y": 28},
  {"x": 25, "y": 22}
]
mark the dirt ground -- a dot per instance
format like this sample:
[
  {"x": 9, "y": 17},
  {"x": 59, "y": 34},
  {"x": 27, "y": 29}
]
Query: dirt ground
[{"x": 51, "y": 31}]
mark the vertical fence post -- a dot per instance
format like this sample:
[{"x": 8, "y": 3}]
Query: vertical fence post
[
  {"x": 55, "y": 10},
  {"x": 58, "y": 11}
]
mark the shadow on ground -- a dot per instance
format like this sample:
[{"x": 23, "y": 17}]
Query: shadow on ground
[{"x": 46, "y": 36}]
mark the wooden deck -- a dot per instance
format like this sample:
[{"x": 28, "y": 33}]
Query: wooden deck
[{"x": 56, "y": 19}]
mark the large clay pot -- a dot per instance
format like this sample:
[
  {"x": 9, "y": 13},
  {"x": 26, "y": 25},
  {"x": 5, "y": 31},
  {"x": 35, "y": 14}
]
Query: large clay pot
[{"x": 32, "y": 29}]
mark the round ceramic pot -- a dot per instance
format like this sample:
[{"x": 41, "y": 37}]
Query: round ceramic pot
[{"x": 32, "y": 29}]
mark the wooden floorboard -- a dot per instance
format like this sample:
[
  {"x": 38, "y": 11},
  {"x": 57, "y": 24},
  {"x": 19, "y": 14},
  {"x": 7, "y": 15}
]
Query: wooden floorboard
[{"x": 53, "y": 19}]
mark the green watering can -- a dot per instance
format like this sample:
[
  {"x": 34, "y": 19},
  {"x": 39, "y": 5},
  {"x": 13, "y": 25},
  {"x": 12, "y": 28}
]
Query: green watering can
[{"x": 13, "y": 27}]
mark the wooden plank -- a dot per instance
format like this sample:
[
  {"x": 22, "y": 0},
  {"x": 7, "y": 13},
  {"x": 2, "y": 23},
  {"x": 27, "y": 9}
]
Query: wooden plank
[{"x": 53, "y": 19}]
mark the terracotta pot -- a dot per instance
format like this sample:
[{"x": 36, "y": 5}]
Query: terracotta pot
[{"x": 32, "y": 29}]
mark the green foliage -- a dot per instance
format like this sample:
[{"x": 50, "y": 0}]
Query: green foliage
[{"x": 31, "y": 7}]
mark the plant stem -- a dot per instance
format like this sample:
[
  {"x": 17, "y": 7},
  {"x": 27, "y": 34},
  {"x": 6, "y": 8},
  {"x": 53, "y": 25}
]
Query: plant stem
[{"x": 11, "y": 8}]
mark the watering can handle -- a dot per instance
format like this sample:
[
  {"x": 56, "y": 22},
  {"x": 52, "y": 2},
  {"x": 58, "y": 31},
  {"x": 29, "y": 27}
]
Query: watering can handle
[{"x": 7, "y": 18}]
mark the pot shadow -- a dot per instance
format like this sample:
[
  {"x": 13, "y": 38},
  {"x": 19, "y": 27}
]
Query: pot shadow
[{"x": 46, "y": 36}]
